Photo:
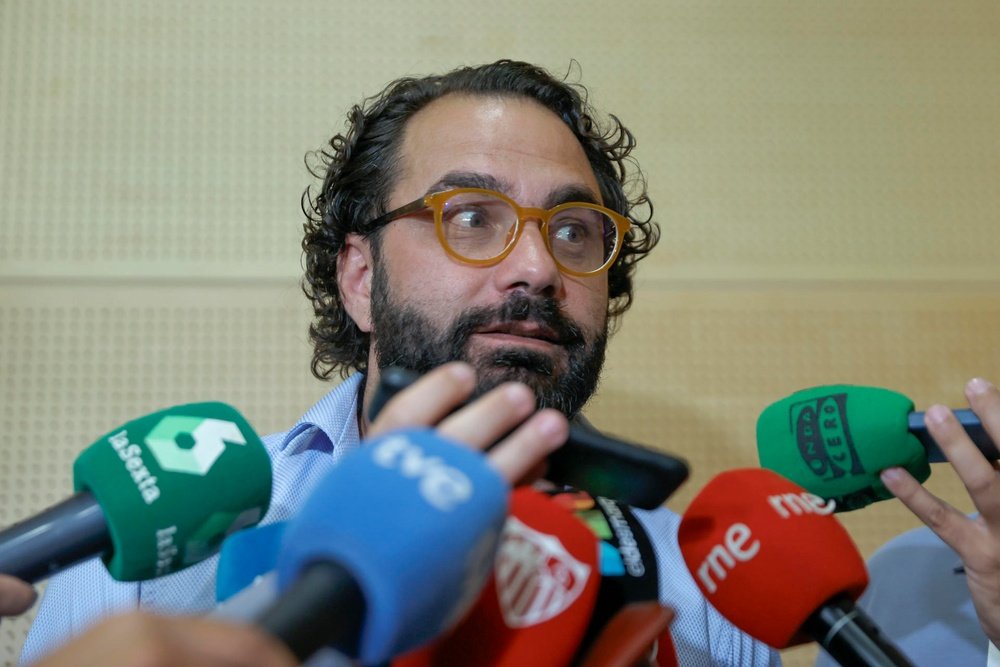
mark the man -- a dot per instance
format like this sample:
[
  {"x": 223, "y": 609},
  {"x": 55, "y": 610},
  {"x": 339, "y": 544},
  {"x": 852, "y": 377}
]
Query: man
[{"x": 479, "y": 216}]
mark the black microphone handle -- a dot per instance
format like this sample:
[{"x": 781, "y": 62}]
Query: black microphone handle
[
  {"x": 323, "y": 607},
  {"x": 64, "y": 534},
  {"x": 969, "y": 421},
  {"x": 851, "y": 637}
]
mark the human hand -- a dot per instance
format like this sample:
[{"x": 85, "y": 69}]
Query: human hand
[
  {"x": 507, "y": 409},
  {"x": 977, "y": 539},
  {"x": 16, "y": 596},
  {"x": 146, "y": 640}
]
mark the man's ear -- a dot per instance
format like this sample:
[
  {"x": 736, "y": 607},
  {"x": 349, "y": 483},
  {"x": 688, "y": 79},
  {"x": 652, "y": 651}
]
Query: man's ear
[{"x": 354, "y": 279}]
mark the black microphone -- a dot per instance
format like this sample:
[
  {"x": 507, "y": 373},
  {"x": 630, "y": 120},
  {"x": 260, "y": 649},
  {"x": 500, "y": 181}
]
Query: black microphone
[
  {"x": 968, "y": 420},
  {"x": 595, "y": 462}
]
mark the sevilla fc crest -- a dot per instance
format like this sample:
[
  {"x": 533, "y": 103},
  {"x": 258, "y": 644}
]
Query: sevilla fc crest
[{"x": 536, "y": 577}]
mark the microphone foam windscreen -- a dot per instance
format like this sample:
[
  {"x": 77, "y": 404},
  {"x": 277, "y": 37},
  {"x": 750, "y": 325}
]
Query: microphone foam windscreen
[
  {"x": 173, "y": 484},
  {"x": 536, "y": 608},
  {"x": 767, "y": 554},
  {"x": 415, "y": 519},
  {"x": 245, "y": 555},
  {"x": 834, "y": 441}
]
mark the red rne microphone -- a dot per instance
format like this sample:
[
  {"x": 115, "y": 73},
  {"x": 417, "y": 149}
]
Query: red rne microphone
[
  {"x": 772, "y": 559},
  {"x": 535, "y": 610}
]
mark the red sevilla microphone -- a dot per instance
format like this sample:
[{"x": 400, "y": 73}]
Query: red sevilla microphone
[
  {"x": 775, "y": 562},
  {"x": 536, "y": 608}
]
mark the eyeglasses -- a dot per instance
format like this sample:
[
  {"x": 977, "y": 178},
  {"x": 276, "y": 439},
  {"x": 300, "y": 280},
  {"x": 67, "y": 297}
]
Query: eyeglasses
[{"x": 481, "y": 227}]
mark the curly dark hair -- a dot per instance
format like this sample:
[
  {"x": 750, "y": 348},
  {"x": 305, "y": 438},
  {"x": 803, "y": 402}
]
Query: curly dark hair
[{"x": 358, "y": 169}]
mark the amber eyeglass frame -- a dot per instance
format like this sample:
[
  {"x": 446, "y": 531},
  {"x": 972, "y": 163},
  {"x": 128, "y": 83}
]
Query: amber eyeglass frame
[{"x": 436, "y": 201}]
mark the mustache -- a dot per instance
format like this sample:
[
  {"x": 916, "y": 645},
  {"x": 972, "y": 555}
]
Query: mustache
[{"x": 541, "y": 310}]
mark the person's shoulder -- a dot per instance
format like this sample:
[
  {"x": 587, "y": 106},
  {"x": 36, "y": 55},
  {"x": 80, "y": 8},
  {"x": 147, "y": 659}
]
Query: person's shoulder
[{"x": 917, "y": 549}]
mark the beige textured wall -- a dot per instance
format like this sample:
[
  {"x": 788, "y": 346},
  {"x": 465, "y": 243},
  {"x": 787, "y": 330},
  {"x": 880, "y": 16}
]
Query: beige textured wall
[{"x": 825, "y": 174}]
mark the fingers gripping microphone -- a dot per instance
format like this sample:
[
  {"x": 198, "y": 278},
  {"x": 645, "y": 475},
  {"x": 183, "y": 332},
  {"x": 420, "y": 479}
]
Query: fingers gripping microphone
[
  {"x": 601, "y": 464},
  {"x": 834, "y": 441},
  {"x": 391, "y": 548},
  {"x": 775, "y": 562},
  {"x": 153, "y": 496}
]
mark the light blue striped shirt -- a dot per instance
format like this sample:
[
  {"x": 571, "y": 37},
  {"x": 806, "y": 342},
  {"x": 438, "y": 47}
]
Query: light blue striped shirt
[{"x": 82, "y": 595}]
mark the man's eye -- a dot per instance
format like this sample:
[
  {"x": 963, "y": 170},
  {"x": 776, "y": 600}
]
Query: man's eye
[
  {"x": 572, "y": 232},
  {"x": 471, "y": 218}
]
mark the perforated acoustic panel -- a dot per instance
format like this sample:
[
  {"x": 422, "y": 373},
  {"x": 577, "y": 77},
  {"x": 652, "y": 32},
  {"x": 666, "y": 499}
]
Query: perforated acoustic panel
[
  {"x": 78, "y": 362},
  {"x": 824, "y": 173},
  {"x": 846, "y": 140}
]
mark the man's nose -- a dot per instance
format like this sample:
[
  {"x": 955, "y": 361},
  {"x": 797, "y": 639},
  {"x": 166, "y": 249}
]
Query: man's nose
[{"x": 530, "y": 265}]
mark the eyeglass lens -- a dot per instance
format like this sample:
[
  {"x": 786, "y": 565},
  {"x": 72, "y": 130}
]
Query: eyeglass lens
[{"x": 478, "y": 226}]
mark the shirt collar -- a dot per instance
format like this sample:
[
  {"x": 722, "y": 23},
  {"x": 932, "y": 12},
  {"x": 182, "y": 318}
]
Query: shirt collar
[{"x": 332, "y": 422}]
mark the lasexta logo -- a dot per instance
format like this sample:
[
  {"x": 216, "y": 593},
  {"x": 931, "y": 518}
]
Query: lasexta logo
[{"x": 207, "y": 439}]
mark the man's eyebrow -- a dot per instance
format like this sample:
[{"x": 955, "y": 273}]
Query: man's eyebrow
[
  {"x": 473, "y": 179},
  {"x": 569, "y": 193},
  {"x": 468, "y": 179}
]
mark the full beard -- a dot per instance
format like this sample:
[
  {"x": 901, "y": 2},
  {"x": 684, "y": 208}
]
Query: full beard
[{"x": 406, "y": 337}]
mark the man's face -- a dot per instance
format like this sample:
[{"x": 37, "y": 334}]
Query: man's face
[{"x": 519, "y": 319}]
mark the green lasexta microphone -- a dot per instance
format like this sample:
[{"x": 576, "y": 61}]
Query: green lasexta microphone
[
  {"x": 153, "y": 496},
  {"x": 834, "y": 440}
]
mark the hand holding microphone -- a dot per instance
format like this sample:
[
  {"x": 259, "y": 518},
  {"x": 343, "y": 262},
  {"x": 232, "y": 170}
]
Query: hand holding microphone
[
  {"x": 857, "y": 445},
  {"x": 588, "y": 460},
  {"x": 377, "y": 599},
  {"x": 374, "y": 593},
  {"x": 433, "y": 400},
  {"x": 976, "y": 539},
  {"x": 834, "y": 440}
]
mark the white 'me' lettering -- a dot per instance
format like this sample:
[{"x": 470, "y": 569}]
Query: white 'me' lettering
[
  {"x": 723, "y": 557},
  {"x": 788, "y": 504}
]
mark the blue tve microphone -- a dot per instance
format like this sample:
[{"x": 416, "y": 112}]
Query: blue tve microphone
[
  {"x": 390, "y": 550},
  {"x": 246, "y": 555}
]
